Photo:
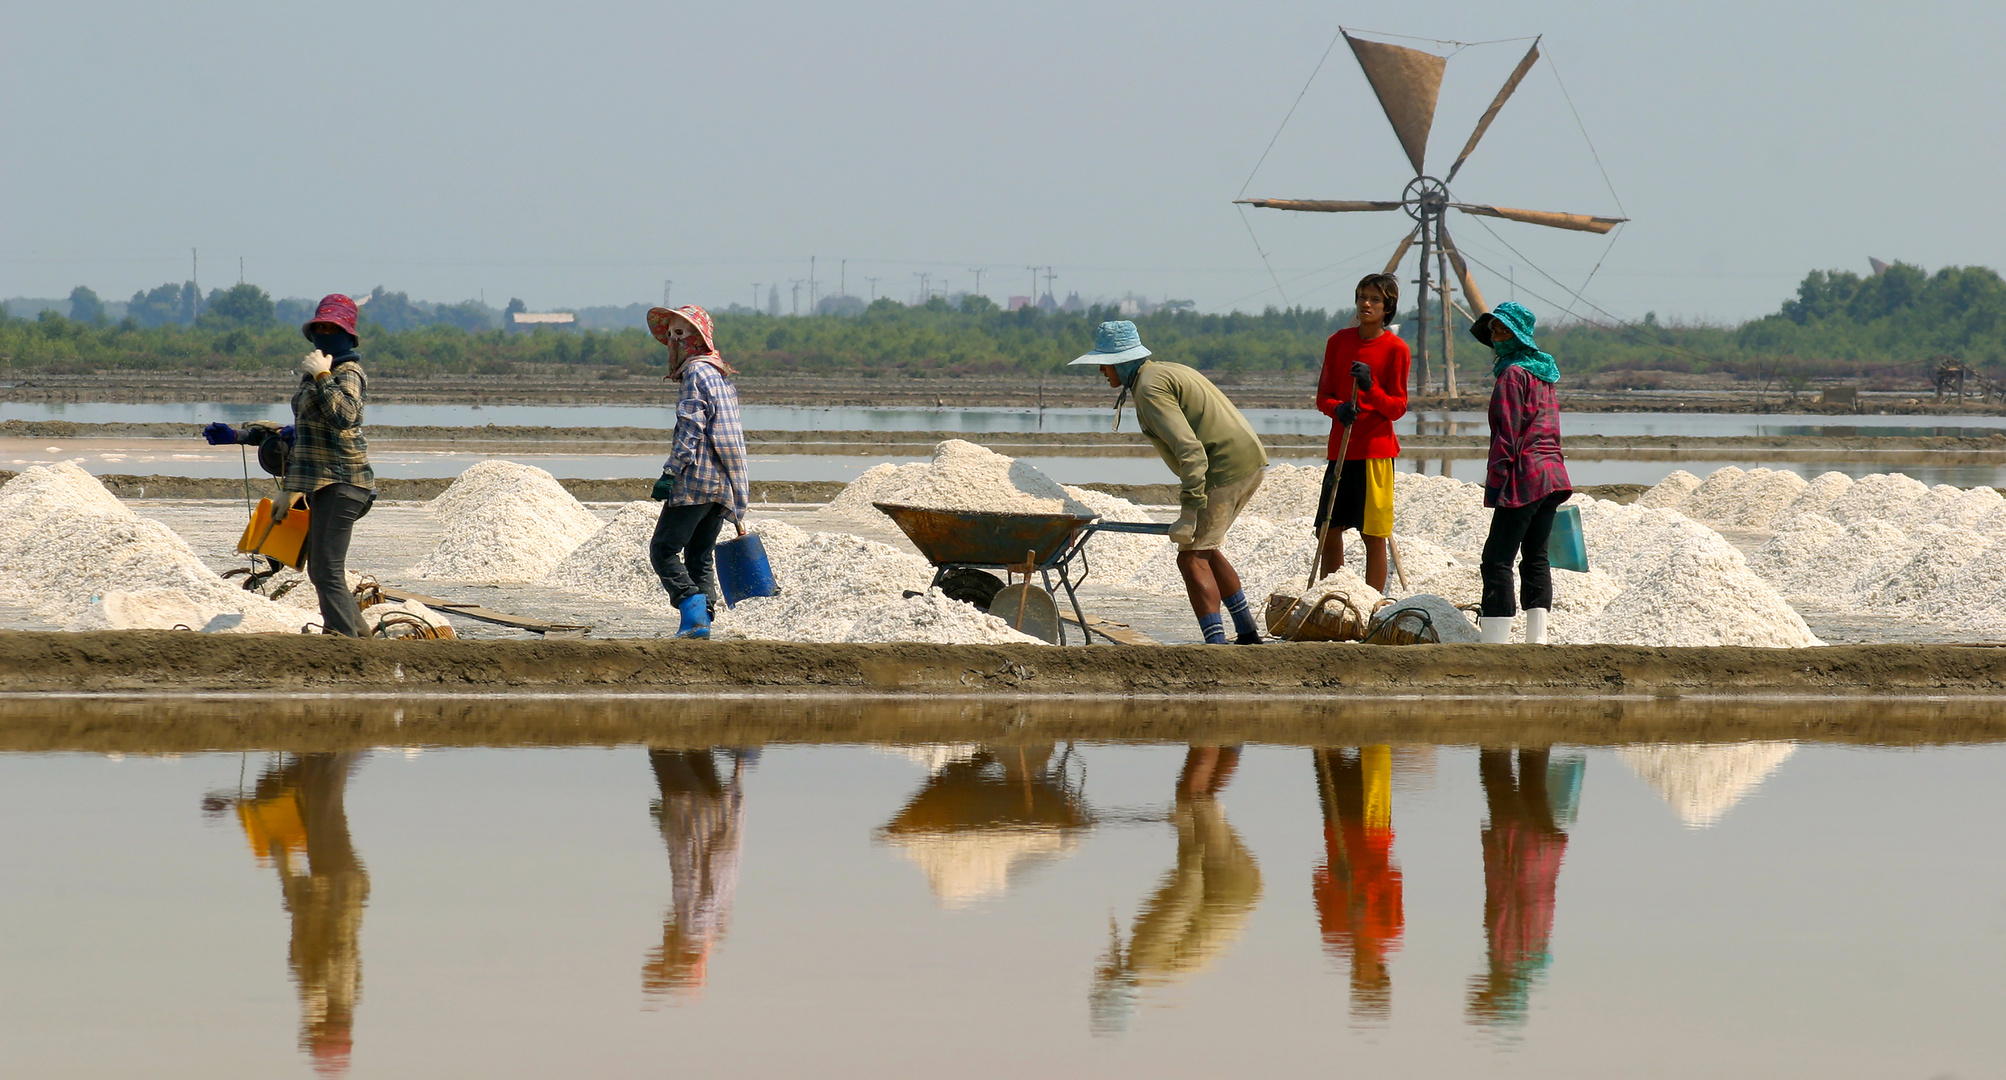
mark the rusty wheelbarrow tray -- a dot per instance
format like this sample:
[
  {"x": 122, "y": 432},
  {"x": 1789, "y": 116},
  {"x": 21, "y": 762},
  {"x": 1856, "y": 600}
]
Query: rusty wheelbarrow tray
[{"x": 987, "y": 540}]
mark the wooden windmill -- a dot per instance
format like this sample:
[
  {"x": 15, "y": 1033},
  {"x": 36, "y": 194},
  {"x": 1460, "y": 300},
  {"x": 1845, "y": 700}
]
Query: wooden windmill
[{"x": 1407, "y": 82}]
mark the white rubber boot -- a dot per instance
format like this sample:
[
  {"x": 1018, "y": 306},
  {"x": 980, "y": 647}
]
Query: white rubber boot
[
  {"x": 1496, "y": 631},
  {"x": 1535, "y": 626}
]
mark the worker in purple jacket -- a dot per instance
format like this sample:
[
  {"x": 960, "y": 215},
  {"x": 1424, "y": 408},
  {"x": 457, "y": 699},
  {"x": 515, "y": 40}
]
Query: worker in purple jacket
[{"x": 1527, "y": 478}]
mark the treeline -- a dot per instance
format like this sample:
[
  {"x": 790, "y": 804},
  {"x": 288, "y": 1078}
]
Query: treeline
[{"x": 1839, "y": 324}]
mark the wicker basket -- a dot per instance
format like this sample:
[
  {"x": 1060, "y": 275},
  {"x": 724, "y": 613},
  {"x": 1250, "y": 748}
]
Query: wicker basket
[{"x": 1331, "y": 618}]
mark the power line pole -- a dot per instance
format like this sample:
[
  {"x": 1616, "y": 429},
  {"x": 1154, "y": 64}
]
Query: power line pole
[
  {"x": 811, "y": 284},
  {"x": 796, "y": 282},
  {"x": 924, "y": 292},
  {"x": 843, "y": 278},
  {"x": 240, "y": 269},
  {"x": 874, "y": 287},
  {"x": 755, "y": 296},
  {"x": 1049, "y": 278},
  {"x": 977, "y": 271},
  {"x": 665, "y": 291},
  {"x": 1034, "y": 285}
]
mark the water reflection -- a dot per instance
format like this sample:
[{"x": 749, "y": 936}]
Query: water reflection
[
  {"x": 701, "y": 813},
  {"x": 1523, "y": 845},
  {"x": 296, "y": 823},
  {"x": 986, "y": 816},
  {"x": 1198, "y": 910},
  {"x": 1359, "y": 906}
]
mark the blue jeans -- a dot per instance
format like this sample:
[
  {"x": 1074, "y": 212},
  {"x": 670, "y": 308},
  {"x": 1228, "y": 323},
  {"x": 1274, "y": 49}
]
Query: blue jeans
[{"x": 681, "y": 550}]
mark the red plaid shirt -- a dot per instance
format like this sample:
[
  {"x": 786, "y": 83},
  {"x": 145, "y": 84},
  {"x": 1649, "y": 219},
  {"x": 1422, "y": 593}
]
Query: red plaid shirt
[{"x": 1526, "y": 463}]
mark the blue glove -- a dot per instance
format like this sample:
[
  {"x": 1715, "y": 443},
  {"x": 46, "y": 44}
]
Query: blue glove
[
  {"x": 286, "y": 433},
  {"x": 220, "y": 434},
  {"x": 1361, "y": 375},
  {"x": 1346, "y": 412}
]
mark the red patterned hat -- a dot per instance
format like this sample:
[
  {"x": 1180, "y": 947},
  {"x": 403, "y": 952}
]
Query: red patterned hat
[{"x": 334, "y": 308}]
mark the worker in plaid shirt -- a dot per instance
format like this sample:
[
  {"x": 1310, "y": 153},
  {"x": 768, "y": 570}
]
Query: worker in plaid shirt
[
  {"x": 326, "y": 459},
  {"x": 703, "y": 483}
]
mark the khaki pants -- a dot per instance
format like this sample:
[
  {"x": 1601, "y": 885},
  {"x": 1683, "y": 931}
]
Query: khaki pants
[{"x": 1222, "y": 507}]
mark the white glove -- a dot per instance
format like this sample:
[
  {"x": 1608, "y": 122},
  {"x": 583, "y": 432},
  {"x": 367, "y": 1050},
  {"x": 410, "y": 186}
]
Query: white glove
[
  {"x": 316, "y": 365},
  {"x": 280, "y": 508},
  {"x": 1185, "y": 528}
]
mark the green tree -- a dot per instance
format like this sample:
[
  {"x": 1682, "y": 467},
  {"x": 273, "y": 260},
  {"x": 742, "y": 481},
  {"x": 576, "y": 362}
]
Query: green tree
[
  {"x": 85, "y": 307},
  {"x": 241, "y": 305}
]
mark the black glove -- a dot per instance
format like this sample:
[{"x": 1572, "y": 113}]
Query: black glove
[
  {"x": 220, "y": 434},
  {"x": 1346, "y": 413},
  {"x": 1361, "y": 375}
]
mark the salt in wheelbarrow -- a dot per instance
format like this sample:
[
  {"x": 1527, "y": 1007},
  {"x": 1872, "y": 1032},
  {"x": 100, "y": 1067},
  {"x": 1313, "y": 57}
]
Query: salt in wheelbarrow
[{"x": 963, "y": 545}]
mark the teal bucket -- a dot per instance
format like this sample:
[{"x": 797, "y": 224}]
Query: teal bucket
[
  {"x": 742, "y": 570},
  {"x": 1567, "y": 549}
]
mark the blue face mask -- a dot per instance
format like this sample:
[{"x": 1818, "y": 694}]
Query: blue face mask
[{"x": 341, "y": 341}]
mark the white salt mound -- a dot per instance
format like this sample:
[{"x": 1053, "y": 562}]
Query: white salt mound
[
  {"x": 613, "y": 562},
  {"x": 1668, "y": 493},
  {"x": 1816, "y": 498},
  {"x": 1715, "y": 494},
  {"x": 964, "y": 476},
  {"x": 880, "y": 483},
  {"x": 1286, "y": 491},
  {"x": 1115, "y": 557},
  {"x": 1887, "y": 497},
  {"x": 66, "y": 543},
  {"x": 505, "y": 522}
]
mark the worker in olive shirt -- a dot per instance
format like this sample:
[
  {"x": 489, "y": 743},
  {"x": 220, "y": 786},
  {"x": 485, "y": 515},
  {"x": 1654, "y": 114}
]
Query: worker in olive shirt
[{"x": 1217, "y": 459}]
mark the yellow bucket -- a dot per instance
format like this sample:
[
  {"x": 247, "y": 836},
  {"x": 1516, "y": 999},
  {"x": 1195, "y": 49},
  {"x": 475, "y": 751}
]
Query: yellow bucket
[{"x": 282, "y": 540}]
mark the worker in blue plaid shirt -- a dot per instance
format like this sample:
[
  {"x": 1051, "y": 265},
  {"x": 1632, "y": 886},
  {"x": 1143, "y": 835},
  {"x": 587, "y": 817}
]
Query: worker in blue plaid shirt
[{"x": 703, "y": 483}]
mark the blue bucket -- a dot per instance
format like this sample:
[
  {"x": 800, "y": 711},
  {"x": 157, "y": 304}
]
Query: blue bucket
[
  {"x": 1567, "y": 549},
  {"x": 742, "y": 570}
]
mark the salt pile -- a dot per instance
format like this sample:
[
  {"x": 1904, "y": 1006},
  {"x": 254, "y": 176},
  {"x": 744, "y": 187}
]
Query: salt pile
[
  {"x": 880, "y": 483},
  {"x": 613, "y": 563},
  {"x": 835, "y": 587},
  {"x": 78, "y": 557},
  {"x": 1703, "y": 782},
  {"x": 1669, "y": 492},
  {"x": 1113, "y": 557},
  {"x": 964, "y": 476},
  {"x": 505, "y": 522}
]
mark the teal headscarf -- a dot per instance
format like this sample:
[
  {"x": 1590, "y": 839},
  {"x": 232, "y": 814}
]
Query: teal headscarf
[{"x": 1518, "y": 348}]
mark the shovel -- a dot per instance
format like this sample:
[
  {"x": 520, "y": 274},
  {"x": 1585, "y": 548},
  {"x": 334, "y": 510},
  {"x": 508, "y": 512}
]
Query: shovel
[
  {"x": 1026, "y": 607},
  {"x": 1291, "y": 622}
]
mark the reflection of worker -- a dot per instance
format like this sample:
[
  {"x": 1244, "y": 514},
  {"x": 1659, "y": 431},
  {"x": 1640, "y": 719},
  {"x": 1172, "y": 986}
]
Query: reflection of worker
[
  {"x": 1217, "y": 458},
  {"x": 702, "y": 818},
  {"x": 987, "y": 819},
  {"x": 295, "y": 821},
  {"x": 1358, "y": 889},
  {"x": 1523, "y": 847},
  {"x": 1201, "y": 905}
]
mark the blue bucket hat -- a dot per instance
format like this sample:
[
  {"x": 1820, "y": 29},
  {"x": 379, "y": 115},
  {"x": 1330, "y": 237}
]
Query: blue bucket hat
[
  {"x": 1515, "y": 318},
  {"x": 1114, "y": 343}
]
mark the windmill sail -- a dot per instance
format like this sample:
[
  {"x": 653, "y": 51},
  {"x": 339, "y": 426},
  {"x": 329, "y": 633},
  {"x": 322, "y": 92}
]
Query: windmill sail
[
  {"x": 1490, "y": 114},
  {"x": 1407, "y": 82},
  {"x": 1323, "y": 206},
  {"x": 1554, "y": 219}
]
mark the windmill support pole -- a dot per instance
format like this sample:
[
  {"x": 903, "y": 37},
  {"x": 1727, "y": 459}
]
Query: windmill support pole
[
  {"x": 1421, "y": 312},
  {"x": 1448, "y": 338}
]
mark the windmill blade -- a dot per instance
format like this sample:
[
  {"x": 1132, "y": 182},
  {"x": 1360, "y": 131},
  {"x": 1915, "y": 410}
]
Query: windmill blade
[
  {"x": 1407, "y": 82},
  {"x": 1323, "y": 206},
  {"x": 1490, "y": 114},
  {"x": 1469, "y": 283},
  {"x": 1399, "y": 253},
  {"x": 1550, "y": 218}
]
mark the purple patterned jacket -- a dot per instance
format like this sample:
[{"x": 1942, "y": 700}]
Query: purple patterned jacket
[{"x": 1526, "y": 464}]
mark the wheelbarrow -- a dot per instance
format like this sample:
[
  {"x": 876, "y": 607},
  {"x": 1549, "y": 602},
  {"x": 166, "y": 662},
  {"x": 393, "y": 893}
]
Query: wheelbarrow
[{"x": 963, "y": 545}]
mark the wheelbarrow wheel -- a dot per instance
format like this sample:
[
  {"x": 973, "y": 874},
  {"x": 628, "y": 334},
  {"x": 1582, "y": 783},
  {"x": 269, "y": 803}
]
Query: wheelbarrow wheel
[{"x": 971, "y": 586}]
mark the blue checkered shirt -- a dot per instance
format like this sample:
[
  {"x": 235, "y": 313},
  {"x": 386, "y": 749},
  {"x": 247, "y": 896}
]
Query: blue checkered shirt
[{"x": 708, "y": 456}]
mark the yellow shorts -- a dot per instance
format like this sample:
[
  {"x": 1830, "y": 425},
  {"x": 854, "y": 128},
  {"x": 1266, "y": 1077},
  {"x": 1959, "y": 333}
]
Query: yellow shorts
[{"x": 1364, "y": 497}]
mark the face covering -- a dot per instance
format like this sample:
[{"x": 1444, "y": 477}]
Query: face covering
[{"x": 335, "y": 344}]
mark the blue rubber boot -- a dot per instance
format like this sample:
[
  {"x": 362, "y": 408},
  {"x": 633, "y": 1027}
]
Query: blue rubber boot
[{"x": 696, "y": 617}]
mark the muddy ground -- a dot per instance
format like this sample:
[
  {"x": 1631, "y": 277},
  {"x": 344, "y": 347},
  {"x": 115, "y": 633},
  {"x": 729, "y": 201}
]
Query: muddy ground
[
  {"x": 611, "y": 387},
  {"x": 129, "y": 661},
  {"x": 176, "y": 724}
]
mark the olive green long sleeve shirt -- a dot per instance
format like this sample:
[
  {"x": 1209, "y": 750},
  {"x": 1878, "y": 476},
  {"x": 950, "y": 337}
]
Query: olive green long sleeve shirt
[{"x": 1195, "y": 429}]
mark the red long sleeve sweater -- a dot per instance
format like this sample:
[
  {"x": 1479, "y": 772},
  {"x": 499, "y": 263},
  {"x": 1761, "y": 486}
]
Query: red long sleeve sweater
[{"x": 1372, "y": 434}]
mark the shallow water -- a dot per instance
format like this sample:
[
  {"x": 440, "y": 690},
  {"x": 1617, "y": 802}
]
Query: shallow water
[
  {"x": 463, "y": 889},
  {"x": 802, "y": 418}
]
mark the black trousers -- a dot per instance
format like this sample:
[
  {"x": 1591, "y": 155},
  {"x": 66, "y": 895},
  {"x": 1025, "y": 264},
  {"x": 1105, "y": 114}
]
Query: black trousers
[
  {"x": 330, "y": 525},
  {"x": 1520, "y": 530},
  {"x": 681, "y": 549}
]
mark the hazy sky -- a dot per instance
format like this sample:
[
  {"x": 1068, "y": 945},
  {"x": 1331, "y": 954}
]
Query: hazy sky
[{"x": 583, "y": 153}]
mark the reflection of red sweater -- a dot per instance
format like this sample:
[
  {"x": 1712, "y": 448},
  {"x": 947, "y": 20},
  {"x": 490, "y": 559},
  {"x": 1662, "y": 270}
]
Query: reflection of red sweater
[
  {"x": 1372, "y": 435},
  {"x": 1359, "y": 905}
]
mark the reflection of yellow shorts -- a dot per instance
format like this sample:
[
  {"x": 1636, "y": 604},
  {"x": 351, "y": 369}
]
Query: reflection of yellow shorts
[{"x": 1222, "y": 505}]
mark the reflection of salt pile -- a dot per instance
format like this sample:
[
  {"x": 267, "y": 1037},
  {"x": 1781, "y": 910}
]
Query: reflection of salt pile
[
  {"x": 505, "y": 522},
  {"x": 80, "y": 558},
  {"x": 1703, "y": 782},
  {"x": 963, "y": 868},
  {"x": 986, "y": 818},
  {"x": 1884, "y": 545}
]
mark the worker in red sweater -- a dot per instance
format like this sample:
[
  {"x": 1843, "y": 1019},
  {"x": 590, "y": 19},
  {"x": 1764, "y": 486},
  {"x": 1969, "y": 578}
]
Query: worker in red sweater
[{"x": 1363, "y": 387}]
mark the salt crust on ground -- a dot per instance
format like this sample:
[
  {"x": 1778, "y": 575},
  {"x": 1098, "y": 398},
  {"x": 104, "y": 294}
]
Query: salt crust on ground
[
  {"x": 505, "y": 522},
  {"x": 76, "y": 555}
]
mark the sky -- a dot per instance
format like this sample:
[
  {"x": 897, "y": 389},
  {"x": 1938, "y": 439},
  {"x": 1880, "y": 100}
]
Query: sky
[{"x": 588, "y": 153}]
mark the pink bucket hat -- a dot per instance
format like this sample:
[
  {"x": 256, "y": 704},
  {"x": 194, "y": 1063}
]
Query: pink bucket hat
[{"x": 334, "y": 308}]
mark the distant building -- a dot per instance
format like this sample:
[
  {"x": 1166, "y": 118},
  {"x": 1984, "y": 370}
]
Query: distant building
[
  {"x": 1073, "y": 305},
  {"x": 523, "y": 321},
  {"x": 1019, "y": 302}
]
